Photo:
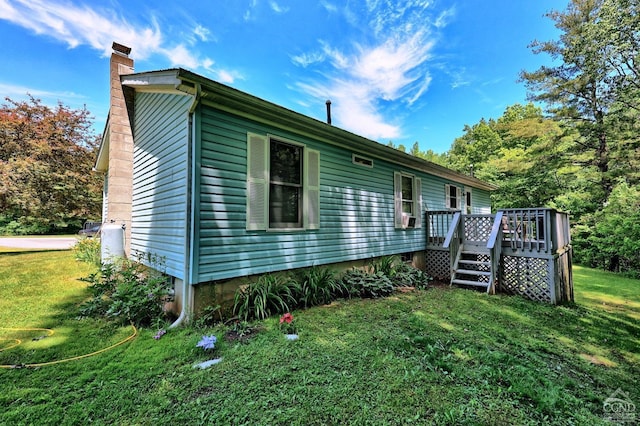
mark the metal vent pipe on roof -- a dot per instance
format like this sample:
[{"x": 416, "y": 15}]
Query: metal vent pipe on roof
[{"x": 328, "y": 111}]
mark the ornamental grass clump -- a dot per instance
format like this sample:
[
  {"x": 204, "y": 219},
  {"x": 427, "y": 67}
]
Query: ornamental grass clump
[
  {"x": 271, "y": 294},
  {"x": 317, "y": 286}
]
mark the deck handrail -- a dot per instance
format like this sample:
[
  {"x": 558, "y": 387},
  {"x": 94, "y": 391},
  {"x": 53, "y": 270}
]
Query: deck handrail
[
  {"x": 452, "y": 230},
  {"x": 528, "y": 229},
  {"x": 495, "y": 251},
  {"x": 495, "y": 231}
]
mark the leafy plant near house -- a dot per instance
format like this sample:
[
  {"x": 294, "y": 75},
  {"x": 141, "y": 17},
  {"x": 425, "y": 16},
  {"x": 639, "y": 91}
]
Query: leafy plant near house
[
  {"x": 271, "y": 294},
  {"x": 365, "y": 285},
  {"x": 209, "y": 316},
  {"x": 405, "y": 275},
  {"x": 317, "y": 286},
  {"x": 88, "y": 250},
  {"x": 386, "y": 265},
  {"x": 127, "y": 291}
]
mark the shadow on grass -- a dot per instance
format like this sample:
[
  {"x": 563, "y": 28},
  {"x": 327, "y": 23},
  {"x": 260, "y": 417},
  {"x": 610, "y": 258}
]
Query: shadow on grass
[{"x": 58, "y": 333}]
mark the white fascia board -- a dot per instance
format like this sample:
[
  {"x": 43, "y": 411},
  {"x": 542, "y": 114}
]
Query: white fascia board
[
  {"x": 155, "y": 81},
  {"x": 102, "y": 159}
]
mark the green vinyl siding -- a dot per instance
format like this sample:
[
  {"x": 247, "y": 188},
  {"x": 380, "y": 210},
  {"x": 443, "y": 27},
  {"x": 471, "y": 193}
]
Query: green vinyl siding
[
  {"x": 159, "y": 197},
  {"x": 481, "y": 202},
  {"x": 356, "y": 207}
]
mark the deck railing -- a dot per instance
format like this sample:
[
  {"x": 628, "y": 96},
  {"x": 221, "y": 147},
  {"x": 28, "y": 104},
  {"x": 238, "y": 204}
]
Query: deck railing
[
  {"x": 438, "y": 224},
  {"x": 495, "y": 250},
  {"x": 530, "y": 249},
  {"x": 453, "y": 240},
  {"x": 540, "y": 230},
  {"x": 535, "y": 230}
]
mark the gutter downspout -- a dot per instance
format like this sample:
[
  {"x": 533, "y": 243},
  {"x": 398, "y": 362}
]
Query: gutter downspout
[{"x": 187, "y": 294}]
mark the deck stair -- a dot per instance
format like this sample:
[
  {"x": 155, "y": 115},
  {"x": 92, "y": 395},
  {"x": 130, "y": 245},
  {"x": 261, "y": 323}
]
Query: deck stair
[
  {"x": 473, "y": 268},
  {"x": 525, "y": 251}
]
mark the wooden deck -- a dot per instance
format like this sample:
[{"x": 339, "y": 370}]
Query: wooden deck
[{"x": 516, "y": 251}]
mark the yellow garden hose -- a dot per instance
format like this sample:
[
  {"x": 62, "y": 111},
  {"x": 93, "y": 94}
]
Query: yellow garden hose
[{"x": 51, "y": 332}]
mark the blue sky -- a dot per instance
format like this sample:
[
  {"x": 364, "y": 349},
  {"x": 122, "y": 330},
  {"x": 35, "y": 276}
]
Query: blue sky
[{"x": 417, "y": 70}]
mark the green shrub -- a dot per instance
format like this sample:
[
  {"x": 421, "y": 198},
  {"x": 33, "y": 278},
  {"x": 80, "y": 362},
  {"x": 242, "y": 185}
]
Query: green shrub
[
  {"x": 317, "y": 286},
  {"x": 88, "y": 250},
  {"x": 210, "y": 316},
  {"x": 22, "y": 226},
  {"x": 365, "y": 285},
  {"x": 405, "y": 275},
  {"x": 271, "y": 294},
  {"x": 127, "y": 292},
  {"x": 385, "y": 265},
  {"x": 400, "y": 273}
]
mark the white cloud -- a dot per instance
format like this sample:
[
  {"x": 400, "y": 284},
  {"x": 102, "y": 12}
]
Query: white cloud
[
  {"x": 180, "y": 56},
  {"x": 78, "y": 25},
  {"x": 329, "y": 7},
  {"x": 18, "y": 91},
  {"x": 228, "y": 77},
  {"x": 387, "y": 68},
  {"x": 306, "y": 59},
  {"x": 202, "y": 32},
  {"x": 444, "y": 18},
  {"x": 248, "y": 14},
  {"x": 277, "y": 8},
  {"x": 353, "y": 107},
  {"x": 379, "y": 73},
  {"x": 366, "y": 78}
]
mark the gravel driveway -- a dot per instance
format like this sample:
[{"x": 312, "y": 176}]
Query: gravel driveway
[{"x": 45, "y": 243}]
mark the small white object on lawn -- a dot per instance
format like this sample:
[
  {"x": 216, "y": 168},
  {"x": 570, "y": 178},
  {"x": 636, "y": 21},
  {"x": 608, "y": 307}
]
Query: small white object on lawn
[{"x": 207, "y": 364}]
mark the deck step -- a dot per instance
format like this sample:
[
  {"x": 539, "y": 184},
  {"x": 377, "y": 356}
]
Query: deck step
[
  {"x": 474, "y": 262},
  {"x": 467, "y": 282},
  {"x": 472, "y": 249},
  {"x": 473, "y": 272},
  {"x": 476, "y": 250}
]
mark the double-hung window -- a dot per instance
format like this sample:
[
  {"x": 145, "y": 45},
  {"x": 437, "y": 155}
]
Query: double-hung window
[
  {"x": 408, "y": 200},
  {"x": 283, "y": 185},
  {"x": 453, "y": 197}
]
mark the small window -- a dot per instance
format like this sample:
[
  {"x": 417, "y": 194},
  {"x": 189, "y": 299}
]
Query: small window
[
  {"x": 407, "y": 195},
  {"x": 408, "y": 201},
  {"x": 453, "y": 197},
  {"x": 406, "y": 257},
  {"x": 362, "y": 161},
  {"x": 467, "y": 200}
]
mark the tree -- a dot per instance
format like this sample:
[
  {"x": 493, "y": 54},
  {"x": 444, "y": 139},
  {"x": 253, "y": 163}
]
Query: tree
[
  {"x": 599, "y": 71},
  {"x": 46, "y": 155},
  {"x": 595, "y": 91},
  {"x": 522, "y": 152}
]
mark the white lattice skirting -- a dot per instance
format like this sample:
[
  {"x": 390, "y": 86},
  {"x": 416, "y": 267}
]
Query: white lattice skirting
[
  {"x": 437, "y": 264},
  {"x": 527, "y": 276}
]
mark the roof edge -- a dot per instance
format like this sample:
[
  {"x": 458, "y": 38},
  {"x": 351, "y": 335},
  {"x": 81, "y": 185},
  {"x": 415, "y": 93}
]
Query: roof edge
[{"x": 179, "y": 80}]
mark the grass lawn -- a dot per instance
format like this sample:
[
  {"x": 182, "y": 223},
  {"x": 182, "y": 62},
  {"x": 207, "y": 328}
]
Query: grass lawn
[{"x": 441, "y": 356}]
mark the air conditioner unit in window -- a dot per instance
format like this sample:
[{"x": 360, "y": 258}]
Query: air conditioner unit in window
[{"x": 409, "y": 221}]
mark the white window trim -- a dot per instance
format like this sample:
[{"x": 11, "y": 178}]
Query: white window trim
[
  {"x": 447, "y": 197},
  {"x": 361, "y": 160},
  {"x": 258, "y": 184},
  {"x": 468, "y": 207},
  {"x": 401, "y": 219}
]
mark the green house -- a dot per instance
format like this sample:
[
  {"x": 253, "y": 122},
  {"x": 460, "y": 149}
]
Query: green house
[{"x": 224, "y": 186}]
